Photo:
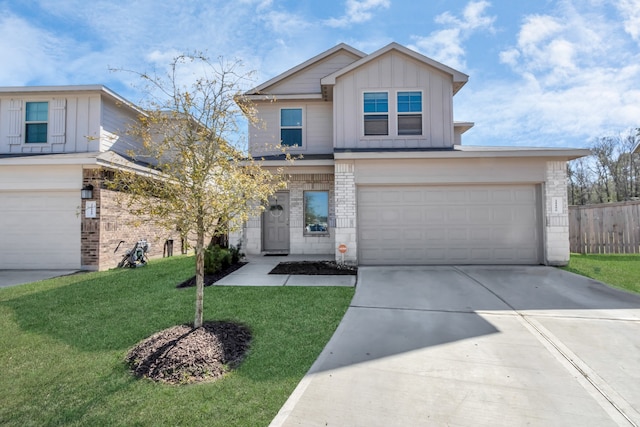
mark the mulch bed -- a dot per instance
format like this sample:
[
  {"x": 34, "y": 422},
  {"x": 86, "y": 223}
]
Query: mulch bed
[
  {"x": 182, "y": 355},
  {"x": 212, "y": 278},
  {"x": 315, "y": 268}
]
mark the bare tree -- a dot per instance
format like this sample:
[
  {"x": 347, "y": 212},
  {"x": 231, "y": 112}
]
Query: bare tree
[
  {"x": 610, "y": 174},
  {"x": 205, "y": 185}
]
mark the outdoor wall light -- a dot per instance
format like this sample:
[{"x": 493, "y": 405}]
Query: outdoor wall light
[{"x": 87, "y": 192}]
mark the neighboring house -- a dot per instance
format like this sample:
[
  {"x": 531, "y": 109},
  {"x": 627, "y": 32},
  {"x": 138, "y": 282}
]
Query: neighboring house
[
  {"x": 55, "y": 142},
  {"x": 384, "y": 172},
  {"x": 636, "y": 149}
]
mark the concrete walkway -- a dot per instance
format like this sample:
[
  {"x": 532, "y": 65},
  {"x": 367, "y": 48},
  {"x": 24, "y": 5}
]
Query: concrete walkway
[
  {"x": 256, "y": 273},
  {"x": 476, "y": 346}
]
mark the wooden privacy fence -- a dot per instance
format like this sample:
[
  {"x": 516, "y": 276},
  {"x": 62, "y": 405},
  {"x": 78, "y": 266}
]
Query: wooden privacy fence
[{"x": 608, "y": 228}]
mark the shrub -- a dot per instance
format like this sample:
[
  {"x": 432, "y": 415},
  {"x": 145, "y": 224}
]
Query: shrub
[
  {"x": 236, "y": 253},
  {"x": 216, "y": 259}
]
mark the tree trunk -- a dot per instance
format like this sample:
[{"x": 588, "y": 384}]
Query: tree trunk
[{"x": 197, "y": 323}]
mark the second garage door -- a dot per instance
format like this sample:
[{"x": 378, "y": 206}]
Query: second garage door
[
  {"x": 40, "y": 230},
  {"x": 489, "y": 224}
]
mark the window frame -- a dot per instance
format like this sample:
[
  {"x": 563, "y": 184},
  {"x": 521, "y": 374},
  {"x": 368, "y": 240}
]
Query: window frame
[
  {"x": 292, "y": 127},
  {"x": 374, "y": 114},
  {"x": 28, "y": 122},
  {"x": 309, "y": 232},
  {"x": 409, "y": 113}
]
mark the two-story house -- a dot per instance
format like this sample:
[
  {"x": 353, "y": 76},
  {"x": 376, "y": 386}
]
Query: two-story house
[
  {"x": 384, "y": 178},
  {"x": 57, "y": 145}
]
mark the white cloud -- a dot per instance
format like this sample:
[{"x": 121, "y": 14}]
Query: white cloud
[
  {"x": 446, "y": 45},
  {"x": 630, "y": 11},
  {"x": 576, "y": 79},
  {"x": 357, "y": 12},
  {"x": 29, "y": 53}
]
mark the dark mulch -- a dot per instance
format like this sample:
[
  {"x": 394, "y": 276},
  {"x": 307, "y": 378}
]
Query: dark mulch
[
  {"x": 182, "y": 355},
  {"x": 212, "y": 278},
  {"x": 315, "y": 268}
]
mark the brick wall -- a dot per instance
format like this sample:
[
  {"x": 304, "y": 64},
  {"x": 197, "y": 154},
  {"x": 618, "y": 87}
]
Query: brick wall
[
  {"x": 556, "y": 230},
  {"x": 346, "y": 214},
  {"x": 101, "y": 235},
  {"x": 301, "y": 243},
  {"x": 251, "y": 234}
]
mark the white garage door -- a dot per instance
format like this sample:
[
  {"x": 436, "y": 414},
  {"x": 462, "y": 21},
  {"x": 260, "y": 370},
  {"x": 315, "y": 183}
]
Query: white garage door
[
  {"x": 40, "y": 230},
  {"x": 448, "y": 225}
]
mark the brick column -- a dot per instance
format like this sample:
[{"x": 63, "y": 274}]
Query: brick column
[
  {"x": 345, "y": 208},
  {"x": 556, "y": 211}
]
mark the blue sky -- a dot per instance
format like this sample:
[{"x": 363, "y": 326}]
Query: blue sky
[{"x": 542, "y": 73}]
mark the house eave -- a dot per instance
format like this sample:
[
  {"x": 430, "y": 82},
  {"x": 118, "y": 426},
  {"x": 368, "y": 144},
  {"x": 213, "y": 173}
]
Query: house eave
[
  {"x": 56, "y": 90},
  {"x": 462, "y": 127},
  {"x": 464, "y": 152},
  {"x": 290, "y": 72},
  {"x": 108, "y": 159},
  {"x": 459, "y": 78},
  {"x": 295, "y": 163},
  {"x": 285, "y": 97}
]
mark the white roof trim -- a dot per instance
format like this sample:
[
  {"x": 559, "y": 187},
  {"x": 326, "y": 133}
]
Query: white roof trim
[
  {"x": 317, "y": 58},
  {"x": 636, "y": 149},
  {"x": 273, "y": 98},
  {"x": 463, "y": 126},
  {"x": 23, "y": 90},
  {"x": 296, "y": 162},
  {"x": 458, "y": 77},
  {"x": 465, "y": 152},
  {"x": 96, "y": 159}
]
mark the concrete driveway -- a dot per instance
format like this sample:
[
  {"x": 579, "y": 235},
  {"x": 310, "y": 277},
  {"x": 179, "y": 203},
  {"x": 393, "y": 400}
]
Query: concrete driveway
[
  {"x": 476, "y": 346},
  {"x": 19, "y": 277}
]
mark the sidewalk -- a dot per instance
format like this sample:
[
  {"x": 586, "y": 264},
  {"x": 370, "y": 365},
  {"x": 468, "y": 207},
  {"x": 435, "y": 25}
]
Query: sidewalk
[{"x": 256, "y": 273}]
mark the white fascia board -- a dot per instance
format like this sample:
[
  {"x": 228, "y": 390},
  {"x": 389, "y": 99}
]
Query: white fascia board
[
  {"x": 458, "y": 77},
  {"x": 51, "y": 159},
  {"x": 115, "y": 161},
  {"x": 307, "y": 63},
  {"x": 23, "y": 90},
  {"x": 463, "y": 126},
  {"x": 565, "y": 154},
  {"x": 274, "y": 98},
  {"x": 295, "y": 163},
  {"x": 88, "y": 160}
]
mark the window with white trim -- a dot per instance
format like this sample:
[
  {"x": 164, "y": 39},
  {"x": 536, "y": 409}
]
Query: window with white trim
[
  {"x": 376, "y": 113},
  {"x": 409, "y": 113},
  {"x": 316, "y": 212},
  {"x": 36, "y": 122},
  {"x": 291, "y": 127}
]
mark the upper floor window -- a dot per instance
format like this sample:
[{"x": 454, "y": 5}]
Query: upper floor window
[
  {"x": 36, "y": 122},
  {"x": 291, "y": 127},
  {"x": 409, "y": 113},
  {"x": 376, "y": 113}
]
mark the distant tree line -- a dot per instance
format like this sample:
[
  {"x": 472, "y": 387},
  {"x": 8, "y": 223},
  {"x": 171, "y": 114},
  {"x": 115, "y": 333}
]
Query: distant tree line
[{"x": 610, "y": 174}]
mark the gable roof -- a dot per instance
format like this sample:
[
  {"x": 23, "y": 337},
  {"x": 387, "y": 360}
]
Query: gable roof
[
  {"x": 54, "y": 90},
  {"x": 320, "y": 57},
  {"x": 459, "y": 78}
]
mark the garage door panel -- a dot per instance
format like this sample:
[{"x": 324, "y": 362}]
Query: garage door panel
[
  {"x": 412, "y": 216},
  {"x": 449, "y": 224},
  {"x": 456, "y": 215},
  {"x": 40, "y": 230}
]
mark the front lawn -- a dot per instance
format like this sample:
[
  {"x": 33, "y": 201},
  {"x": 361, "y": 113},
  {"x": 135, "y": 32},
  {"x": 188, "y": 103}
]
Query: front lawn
[
  {"x": 619, "y": 270},
  {"x": 63, "y": 342}
]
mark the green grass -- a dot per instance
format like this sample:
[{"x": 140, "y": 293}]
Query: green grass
[
  {"x": 63, "y": 343},
  {"x": 619, "y": 270}
]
